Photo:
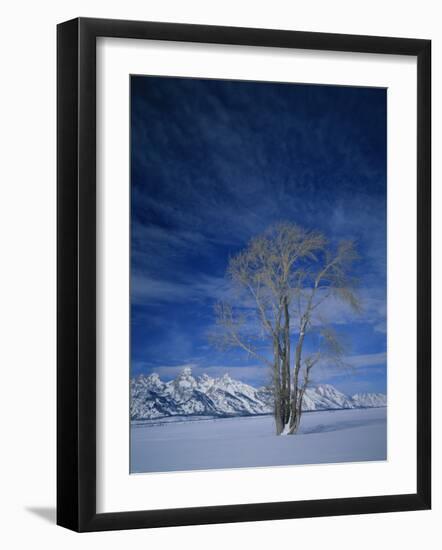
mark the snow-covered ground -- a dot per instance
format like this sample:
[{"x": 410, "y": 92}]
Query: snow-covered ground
[{"x": 351, "y": 435}]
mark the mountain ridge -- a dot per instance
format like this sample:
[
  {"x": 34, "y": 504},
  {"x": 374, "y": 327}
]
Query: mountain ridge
[{"x": 151, "y": 398}]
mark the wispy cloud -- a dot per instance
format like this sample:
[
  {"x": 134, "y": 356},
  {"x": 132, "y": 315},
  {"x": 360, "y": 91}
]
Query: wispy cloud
[
  {"x": 352, "y": 365},
  {"x": 145, "y": 290},
  {"x": 373, "y": 309},
  {"x": 367, "y": 360}
]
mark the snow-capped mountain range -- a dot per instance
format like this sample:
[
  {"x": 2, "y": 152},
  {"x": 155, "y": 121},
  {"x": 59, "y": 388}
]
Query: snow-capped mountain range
[{"x": 186, "y": 395}]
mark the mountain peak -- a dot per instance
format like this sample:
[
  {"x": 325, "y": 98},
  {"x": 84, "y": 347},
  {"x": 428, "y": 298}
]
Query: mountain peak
[{"x": 186, "y": 372}]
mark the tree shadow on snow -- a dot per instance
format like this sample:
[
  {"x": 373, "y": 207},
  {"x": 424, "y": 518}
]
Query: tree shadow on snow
[{"x": 343, "y": 425}]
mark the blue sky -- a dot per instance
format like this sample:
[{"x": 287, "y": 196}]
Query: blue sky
[{"x": 214, "y": 163}]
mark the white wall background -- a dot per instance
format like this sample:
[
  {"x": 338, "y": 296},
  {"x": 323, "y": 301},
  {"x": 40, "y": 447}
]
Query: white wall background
[{"x": 27, "y": 274}]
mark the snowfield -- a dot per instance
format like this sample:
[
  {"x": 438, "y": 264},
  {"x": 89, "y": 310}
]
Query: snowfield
[{"x": 180, "y": 443}]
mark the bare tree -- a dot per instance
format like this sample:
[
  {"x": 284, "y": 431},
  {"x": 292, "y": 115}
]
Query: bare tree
[{"x": 281, "y": 281}]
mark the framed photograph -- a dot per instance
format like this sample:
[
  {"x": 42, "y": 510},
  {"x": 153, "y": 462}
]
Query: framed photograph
[{"x": 243, "y": 274}]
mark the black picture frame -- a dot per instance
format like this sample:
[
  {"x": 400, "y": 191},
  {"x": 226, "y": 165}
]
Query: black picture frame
[{"x": 76, "y": 274}]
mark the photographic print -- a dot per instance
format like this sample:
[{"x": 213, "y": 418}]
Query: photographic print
[{"x": 258, "y": 274}]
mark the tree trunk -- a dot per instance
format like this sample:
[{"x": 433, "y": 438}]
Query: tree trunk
[
  {"x": 294, "y": 425},
  {"x": 297, "y": 395},
  {"x": 286, "y": 363},
  {"x": 277, "y": 396}
]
